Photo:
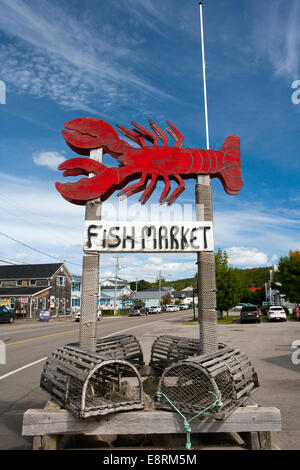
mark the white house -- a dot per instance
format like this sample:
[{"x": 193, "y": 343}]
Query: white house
[{"x": 76, "y": 293}]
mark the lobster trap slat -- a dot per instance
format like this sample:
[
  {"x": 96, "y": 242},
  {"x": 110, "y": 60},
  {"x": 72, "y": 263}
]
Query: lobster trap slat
[
  {"x": 124, "y": 347},
  {"x": 91, "y": 384},
  {"x": 167, "y": 350},
  {"x": 192, "y": 385}
]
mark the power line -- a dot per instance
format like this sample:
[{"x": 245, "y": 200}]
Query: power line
[
  {"x": 35, "y": 249},
  {"x": 8, "y": 262}
]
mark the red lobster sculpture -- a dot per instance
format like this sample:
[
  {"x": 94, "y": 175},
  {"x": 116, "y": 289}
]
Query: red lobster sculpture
[{"x": 157, "y": 161}]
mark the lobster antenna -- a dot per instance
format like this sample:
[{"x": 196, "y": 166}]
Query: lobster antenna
[{"x": 204, "y": 76}]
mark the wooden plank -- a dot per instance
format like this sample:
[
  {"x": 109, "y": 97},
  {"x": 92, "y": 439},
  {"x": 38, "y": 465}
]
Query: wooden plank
[{"x": 41, "y": 422}]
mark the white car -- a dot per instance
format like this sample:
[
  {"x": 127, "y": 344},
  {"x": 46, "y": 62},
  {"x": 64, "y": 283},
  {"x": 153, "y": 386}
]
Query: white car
[
  {"x": 183, "y": 306},
  {"x": 155, "y": 309},
  {"x": 276, "y": 313},
  {"x": 99, "y": 316},
  {"x": 172, "y": 308},
  {"x": 238, "y": 307}
]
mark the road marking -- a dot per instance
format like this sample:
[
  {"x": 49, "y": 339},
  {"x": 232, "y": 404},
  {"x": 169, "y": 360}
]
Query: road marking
[
  {"x": 22, "y": 368},
  {"x": 44, "y": 358},
  {"x": 40, "y": 337}
]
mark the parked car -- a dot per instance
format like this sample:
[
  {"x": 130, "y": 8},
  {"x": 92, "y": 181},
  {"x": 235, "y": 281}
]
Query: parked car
[
  {"x": 249, "y": 313},
  {"x": 99, "y": 316},
  {"x": 238, "y": 307},
  {"x": 155, "y": 309},
  {"x": 6, "y": 316},
  {"x": 44, "y": 315},
  {"x": 183, "y": 306},
  {"x": 296, "y": 313},
  {"x": 172, "y": 308},
  {"x": 276, "y": 313},
  {"x": 138, "y": 311}
]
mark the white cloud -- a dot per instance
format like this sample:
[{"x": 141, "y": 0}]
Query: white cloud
[
  {"x": 70, "y": 66},
  {"x": 49, "y": 159},
  {"x": 242, "y": 256},
  {"x": 277, "y": 36}
]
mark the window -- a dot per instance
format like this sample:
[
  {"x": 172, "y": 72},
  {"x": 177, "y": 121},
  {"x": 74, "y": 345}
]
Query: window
[
  {"x": 61, "y": 280},
  {"x": 12, "y": 303},
  {"x": 75, "y": 302},
  {"x": 44, "y": 303},
  {"x": 36, "y": 303},
  {"x": 57, "y": 303},
  {"x": 76, "y": 287},
  {"x": 0, "y": 283},
  {"x": 32, "y": 282},
  {"x": 18, "y": 283}
]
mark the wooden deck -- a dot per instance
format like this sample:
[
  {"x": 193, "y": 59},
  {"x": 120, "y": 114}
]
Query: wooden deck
[{"x": 253, "y": 424}]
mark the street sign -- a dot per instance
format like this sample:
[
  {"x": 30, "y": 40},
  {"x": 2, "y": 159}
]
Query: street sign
[{"x": 147, "y": 237}]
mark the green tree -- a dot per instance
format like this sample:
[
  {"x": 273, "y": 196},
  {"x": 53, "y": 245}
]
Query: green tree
[
  {"x": 141, "y": 285},
  {"x": 228, "y": 281},
  {"x": 288, "y": 275}
]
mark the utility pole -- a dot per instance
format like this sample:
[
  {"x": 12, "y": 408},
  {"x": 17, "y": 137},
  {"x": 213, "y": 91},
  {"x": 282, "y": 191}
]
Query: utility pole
[
  {"x": 159, "y": 287},
  {"x": 116, "y": 284}
]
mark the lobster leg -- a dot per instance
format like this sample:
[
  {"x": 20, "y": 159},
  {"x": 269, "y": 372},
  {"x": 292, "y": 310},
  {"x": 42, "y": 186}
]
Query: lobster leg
[
  {"x": 175, "y": 194},
  {"x": 134, "y": 188},
  {"x": 149, "y": 190},
  {"x": 166, "y": 190}
]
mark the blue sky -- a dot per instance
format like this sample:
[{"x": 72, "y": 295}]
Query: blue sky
[{"x": 123, "y": 60}]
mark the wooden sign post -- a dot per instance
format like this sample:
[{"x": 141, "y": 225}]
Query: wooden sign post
[
  {"x": 90, "y": 277},
  {"x": 206, "y": 279}
]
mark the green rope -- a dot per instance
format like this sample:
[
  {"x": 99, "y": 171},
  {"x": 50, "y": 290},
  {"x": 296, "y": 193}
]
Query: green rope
[{"x": 186, "y": 422}]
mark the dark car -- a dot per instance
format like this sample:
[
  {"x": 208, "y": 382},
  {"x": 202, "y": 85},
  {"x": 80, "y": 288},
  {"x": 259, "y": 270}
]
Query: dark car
[
  {"x": 138, "y": 311},
  {"x": 249, "y": 313},
  {"x": 6, "y": 316},
  {"x": 296, "y": 313}
]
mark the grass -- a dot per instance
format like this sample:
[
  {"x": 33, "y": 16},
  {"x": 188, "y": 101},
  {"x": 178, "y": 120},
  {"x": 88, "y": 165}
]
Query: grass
[{"x": 227, "y": 320}]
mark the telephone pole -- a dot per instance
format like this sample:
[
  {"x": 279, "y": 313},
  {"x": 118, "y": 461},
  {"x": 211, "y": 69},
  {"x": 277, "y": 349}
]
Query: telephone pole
[{"x": 116, "y": 283}]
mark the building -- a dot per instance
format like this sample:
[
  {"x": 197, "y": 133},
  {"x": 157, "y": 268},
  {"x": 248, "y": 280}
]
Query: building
[
  {"x": 108, "y": 294},
  {"x": 153, "y": 297},
  {"x": 273, "y": 296},
  {"x": 29, "y": 288},
  {"x": 76, "y": 293},
  {"x": 112, "y": 282}
]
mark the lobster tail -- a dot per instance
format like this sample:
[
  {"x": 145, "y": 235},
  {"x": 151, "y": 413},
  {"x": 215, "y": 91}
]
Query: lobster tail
[{"x": 230, "y": 174}]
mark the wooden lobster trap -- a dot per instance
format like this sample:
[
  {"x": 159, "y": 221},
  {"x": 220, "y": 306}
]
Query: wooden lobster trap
[
  {"x": 195, "y": 384},
  {"x": 124, "y": 347},
  {"x": 90, "y": 384},
  {"x": 167, "y": 349}
]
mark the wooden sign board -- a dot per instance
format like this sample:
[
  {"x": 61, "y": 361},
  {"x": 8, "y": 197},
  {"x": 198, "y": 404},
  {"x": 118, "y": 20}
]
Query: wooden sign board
[{"x": 147, "y": 237}]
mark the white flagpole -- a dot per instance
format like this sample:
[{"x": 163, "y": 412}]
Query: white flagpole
[
  {"x": 204, "y": 76},
  {"x": 205, "y": 260}
]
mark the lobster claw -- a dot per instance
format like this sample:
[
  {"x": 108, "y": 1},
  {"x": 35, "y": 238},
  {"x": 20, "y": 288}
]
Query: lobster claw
[
  {"x": 86, "y": 188},
  {"x": 88, "y": 133}
]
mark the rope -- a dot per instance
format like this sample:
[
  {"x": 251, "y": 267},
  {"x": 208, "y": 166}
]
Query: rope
[{"x": 186, "y": 422}]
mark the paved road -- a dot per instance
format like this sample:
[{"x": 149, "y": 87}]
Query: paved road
[
  {"x": 267, "y": 345},
  {"x": 28, "y": 345}
]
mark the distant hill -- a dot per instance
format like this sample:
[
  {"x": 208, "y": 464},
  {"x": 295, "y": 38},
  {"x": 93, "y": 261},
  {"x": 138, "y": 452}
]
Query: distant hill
[
  {"x": 252, "y": 277},
  {"x": 255, "y": 277}
]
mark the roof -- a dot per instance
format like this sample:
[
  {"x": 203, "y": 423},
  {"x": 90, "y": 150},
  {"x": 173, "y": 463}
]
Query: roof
[
  {"x": 110, "y": 293},
  {"x": 149, "y": 294},
  {"x": 21, "y": 291},
  {"x": 29, "y": 271}
]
